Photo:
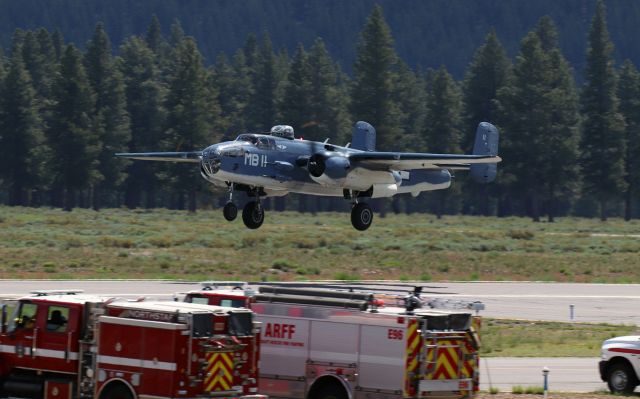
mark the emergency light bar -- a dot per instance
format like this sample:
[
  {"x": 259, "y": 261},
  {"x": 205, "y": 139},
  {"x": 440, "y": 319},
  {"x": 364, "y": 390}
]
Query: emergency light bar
[{"x": 55, "y": 292}]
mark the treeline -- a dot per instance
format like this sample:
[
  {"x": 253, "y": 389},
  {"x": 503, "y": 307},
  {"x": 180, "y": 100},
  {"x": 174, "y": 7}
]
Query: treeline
[{"x": 65, "y": 112}]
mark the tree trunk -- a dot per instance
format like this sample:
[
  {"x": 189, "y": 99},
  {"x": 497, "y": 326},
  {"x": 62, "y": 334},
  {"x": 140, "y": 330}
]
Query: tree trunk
[
  {"x": 69, "y": 199},
  {"x": 442, "y": 196},
  {"x": 16, "y": 197},
  {"x": 180, "y": 201},
  {"x": 132, "y": 196},
  {"x": 395, "y": 204},
  {"x": 95, "y": 197},
  {"x": 603, "y": 210},
  {"x": 628, "y": 200},
  {"x": 535, "y": 207},
  {"x": 281, "y": 204},
  {"x": 192, "y": 200},
  {"x": 302, "y": 203},
  {"x": 150, "y": 201}
]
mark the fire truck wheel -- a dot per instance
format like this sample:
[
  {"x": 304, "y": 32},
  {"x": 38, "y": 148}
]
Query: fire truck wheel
[
  {"x": 621, "y": 378},
  {"x": 116, "y": 391},
  {"x": 330, "y": 391}
]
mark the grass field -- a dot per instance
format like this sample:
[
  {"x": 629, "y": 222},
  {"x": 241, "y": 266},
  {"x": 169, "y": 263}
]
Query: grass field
[
  {"x": 118, "y": 243},
  {"x": 519, "y": 338}
]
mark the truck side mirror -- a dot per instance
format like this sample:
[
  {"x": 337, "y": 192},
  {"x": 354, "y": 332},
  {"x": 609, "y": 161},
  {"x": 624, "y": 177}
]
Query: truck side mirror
[{"x": 3, "y": 318}]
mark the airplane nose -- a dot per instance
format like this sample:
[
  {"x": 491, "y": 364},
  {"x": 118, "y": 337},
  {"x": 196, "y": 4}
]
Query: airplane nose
[{"x": 211, "y": 160}]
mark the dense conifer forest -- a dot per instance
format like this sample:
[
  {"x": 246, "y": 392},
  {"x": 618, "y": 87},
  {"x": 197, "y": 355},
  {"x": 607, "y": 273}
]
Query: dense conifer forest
[{"x": 563, "y": 88}]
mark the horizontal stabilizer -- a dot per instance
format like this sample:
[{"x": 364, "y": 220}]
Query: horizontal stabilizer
[{"x": 192, "y": 156}]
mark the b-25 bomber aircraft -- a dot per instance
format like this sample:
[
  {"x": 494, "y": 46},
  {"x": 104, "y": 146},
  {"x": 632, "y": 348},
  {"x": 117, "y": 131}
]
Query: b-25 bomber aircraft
[{"x": 275, "y": 164}]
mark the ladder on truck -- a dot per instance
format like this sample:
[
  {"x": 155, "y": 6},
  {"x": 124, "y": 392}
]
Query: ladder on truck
[
  {"x": 88, "y": 349},
  {"x": 395, "y": 294}
]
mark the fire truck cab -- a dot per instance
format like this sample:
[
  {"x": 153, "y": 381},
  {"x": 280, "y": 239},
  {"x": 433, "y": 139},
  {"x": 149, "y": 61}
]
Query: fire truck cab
[
  {"x": 70, "y": 345},
  {"x": 321, "y": 344}
]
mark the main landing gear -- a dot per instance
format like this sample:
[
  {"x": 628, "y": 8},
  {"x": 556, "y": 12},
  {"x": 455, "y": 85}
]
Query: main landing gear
[
  {"x": 361, "y": 216},
  {"x": 252, "y": 213},
  {"x": 361, "y": 213}
]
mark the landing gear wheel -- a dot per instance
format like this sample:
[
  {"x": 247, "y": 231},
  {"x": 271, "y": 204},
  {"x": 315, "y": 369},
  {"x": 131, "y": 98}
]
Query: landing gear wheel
[
  {"x": 621, "y": 379},
  {"x": 253, "y": 215},
  {"x": 361, "y": 216},
  {"x": 230, "y": 211}
]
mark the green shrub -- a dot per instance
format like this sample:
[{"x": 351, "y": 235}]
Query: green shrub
[
  {"x": 517, "y": 390},
  {"x": 534, "y": 390},
  {"x": 494, "y": 390},
  {"x": 49, "y": 267},
  {"x": 520, "y": 234}
]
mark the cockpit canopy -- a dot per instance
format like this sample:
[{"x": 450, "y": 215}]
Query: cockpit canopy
[{"x": 285, "y": 131}]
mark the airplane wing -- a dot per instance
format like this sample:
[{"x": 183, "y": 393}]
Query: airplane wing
[
  {"x": 193, "y": 156},
  {"x": 408, "y": 160}
]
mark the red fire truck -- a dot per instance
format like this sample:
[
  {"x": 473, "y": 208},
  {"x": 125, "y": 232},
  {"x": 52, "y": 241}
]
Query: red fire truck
[
  {"x": 63, "y": 344},
  {"x": 321, "y": 344}
]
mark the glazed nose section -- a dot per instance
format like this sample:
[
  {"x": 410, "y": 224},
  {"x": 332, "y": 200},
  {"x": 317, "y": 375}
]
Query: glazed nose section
[{"x": 210, "y": 164}]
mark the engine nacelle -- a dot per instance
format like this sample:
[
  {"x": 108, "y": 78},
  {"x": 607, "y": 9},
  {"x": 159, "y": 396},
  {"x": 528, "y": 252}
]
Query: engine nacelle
[{"x": 328, "y": 169}]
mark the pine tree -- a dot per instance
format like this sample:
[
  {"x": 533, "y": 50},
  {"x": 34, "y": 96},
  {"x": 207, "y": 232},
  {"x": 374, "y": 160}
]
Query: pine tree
[
  {"x": 144, "y": 104},
  {"x": 189, "y": 113},
  {"x": 558, "y": 162},
  {"x": 40, "y": 60},
  {"x": 371, "y": 96},
  {"x": 602, "y": 143},
  {"x": 262, "y": 110},
  {"x": 153, "y": 37},
  {"x": 71, "y": 135},
  {"x": 442, "y": 126},
  {"x": 540, "y": 118},
  {"x": 524, "y": 118},
  {"x": 295, "y": 106},
  {"x": 112, "y": 121},
  {"x": 328, "y": 97},
  {"x": 488, "y": 72},
  {"x": 22, "y": 151},
  {"x": 58, "y": 44},
  {"x": 410, "y": 95},
  {"x": 629, "y": 95},
  {"x": 222, "y": 78}
]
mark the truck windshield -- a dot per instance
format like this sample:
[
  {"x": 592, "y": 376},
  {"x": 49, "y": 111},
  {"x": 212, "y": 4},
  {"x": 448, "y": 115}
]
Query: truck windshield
[
  {"x": 240, "y": 323},
  {"x": 202, "y": 325}
]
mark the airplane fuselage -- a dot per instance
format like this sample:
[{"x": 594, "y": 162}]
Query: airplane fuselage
[{"x": 280, "y": 166}]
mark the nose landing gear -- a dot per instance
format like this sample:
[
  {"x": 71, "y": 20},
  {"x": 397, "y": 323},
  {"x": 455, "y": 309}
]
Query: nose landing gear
[{"x": 230, "y": 210}]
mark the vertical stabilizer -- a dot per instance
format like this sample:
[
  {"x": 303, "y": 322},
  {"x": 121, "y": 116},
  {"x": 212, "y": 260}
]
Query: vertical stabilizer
[
  {"x": 486, "y": 143},
  {"x": 363, "y": 137}
]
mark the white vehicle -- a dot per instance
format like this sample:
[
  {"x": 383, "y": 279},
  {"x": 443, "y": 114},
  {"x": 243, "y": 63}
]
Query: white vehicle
[{"x": 620, "y": 363}]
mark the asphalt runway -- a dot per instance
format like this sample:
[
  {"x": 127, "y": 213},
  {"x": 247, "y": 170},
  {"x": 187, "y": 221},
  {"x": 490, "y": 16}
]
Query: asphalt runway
[
  {"x": 595, "y": 303},
  {"x": 573, "y": 374},
  {"x": 601, "y": 303}
]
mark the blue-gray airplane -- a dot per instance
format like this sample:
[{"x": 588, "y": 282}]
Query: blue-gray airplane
[{"x": 277, "y": 163}]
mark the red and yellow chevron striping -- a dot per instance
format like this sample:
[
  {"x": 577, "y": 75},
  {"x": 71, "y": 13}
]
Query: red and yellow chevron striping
[
  {"x": 219, "y": 373},
  {"x": 411, "y": 357}
]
